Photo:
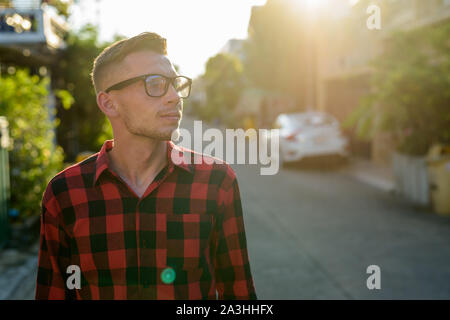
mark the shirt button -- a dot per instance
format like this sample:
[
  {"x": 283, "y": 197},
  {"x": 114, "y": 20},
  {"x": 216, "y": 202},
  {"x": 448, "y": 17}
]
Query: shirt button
[{"x": 168, "y": 275}]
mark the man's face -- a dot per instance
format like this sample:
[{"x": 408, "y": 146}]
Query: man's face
[{"x": 142, "y": 115}]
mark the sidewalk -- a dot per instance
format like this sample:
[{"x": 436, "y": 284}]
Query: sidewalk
[
  {"x": 380, "y": 177},
  {"x": 18, "y": 270}
]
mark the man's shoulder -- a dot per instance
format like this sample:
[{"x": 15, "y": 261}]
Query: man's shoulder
[
  {"x": 218, "y": 170},
  {"x": 63, "y": 180}
]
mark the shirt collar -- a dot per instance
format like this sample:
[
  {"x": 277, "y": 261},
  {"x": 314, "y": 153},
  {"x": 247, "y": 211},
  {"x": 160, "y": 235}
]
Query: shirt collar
[{"x": 176, "y": 156}]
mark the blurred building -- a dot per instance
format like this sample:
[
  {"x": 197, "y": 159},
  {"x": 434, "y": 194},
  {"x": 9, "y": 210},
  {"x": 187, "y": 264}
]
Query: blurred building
[
  {"x": 235, "y": 47},
  {"x": 345, "y": 47},
  {"x": 275, "y": 39},
  {"x": 261, "y": 107},
  {"x": 31, "y": 33},
  {"x": 31, "y": 36}
]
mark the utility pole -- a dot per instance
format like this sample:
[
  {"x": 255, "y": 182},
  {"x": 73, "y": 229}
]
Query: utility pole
[{"x": 311, "y": 53}]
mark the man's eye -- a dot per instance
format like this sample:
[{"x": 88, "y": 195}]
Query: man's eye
[{"x": 156, "y": 82}]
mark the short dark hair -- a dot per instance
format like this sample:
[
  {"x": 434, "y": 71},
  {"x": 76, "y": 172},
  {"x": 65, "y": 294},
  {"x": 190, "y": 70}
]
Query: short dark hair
[{"x": 117, "y": 51}]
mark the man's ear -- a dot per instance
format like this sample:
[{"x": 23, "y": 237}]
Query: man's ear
[{"x": 106, "y": 104}]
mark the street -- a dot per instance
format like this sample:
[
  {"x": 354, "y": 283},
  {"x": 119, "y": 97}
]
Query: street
[{"x": 312, "y": 234}]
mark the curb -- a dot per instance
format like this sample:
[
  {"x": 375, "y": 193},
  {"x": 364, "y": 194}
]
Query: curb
[
  {"x": 374, "y": 181},
  {"x": 370, "y": 178}
]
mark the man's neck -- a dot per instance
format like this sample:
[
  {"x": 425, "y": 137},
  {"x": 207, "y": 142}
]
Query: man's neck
[{"x": 138, "y": 161}]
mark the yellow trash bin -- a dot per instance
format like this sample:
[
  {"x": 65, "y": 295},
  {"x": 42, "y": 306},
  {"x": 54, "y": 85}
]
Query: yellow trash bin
[{"x": 438, "y": 160}]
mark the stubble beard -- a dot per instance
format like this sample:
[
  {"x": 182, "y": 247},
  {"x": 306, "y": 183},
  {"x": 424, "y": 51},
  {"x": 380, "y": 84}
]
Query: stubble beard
[{"x": 161, "y": 134}]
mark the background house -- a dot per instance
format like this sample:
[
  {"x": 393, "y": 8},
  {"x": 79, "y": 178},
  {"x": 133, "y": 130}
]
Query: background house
[
  {"x": 345, "y": 48},
  {"x": 31, "y": 36}
]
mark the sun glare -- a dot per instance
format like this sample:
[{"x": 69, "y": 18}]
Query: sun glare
[
  {"x": 314, "y": 4},
  {"x": 196, "y": 30},
  {"x": 311, "y": 5}
]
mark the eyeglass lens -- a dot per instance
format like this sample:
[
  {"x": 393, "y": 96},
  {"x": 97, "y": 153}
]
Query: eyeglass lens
[{"x": 156, "y": 85}]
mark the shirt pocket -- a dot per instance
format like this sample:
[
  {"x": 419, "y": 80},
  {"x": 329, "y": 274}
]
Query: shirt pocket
[{"x": 188, "y": 237}]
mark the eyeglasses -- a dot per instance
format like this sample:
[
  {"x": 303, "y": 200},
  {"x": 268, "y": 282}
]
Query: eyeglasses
[{"x": 156, "y": 85}]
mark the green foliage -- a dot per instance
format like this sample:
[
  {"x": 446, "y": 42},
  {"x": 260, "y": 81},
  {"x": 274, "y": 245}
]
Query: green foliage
[
  {"x": 223, "y": 83},
  {"x": 83, "y": 126},
  {"x": 34, "y": 159},
  {"x": 66, "y": 98},
  {"x": 411, "y": 91},
  {"x": 61, "y": 6},
  {"x": 105, "y": 134}
]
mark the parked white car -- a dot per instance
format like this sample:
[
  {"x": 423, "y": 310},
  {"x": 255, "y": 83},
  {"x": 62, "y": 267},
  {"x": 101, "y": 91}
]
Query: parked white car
[{"x": 309, "y": 134}]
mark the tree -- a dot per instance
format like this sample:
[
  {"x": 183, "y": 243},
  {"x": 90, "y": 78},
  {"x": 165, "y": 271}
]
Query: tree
[
  {"x": 411, "y": 91},
  {"x": 61, "y": 6},
  {"x": 223, "y": 83},
  {"x": 34, "y": 159},
  {"x": 83, "y": 127}
]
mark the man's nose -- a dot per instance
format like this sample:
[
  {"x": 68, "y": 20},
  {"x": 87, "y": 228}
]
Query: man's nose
[{"x": 172, "y": 96}]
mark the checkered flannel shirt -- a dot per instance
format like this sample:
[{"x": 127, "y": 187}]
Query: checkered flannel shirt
[{"x": 188, "y": 221}]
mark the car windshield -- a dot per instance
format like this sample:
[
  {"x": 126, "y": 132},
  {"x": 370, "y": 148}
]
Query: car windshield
[
  {"x": 309, "y": 120},
  {"x": 319, "y": 121}
]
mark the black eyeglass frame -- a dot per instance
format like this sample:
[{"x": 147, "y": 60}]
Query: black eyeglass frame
[{"x": 144, "y": 77}]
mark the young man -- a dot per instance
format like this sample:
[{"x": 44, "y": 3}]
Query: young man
[{"x": 138, "y": 223}]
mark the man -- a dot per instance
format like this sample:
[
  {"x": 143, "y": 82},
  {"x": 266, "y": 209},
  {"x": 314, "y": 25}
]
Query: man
[{"x": 138, "y": 223}]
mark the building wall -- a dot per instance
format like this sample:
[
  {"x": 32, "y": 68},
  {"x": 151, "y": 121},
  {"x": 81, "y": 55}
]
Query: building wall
[{"x": 345, "y": 48}]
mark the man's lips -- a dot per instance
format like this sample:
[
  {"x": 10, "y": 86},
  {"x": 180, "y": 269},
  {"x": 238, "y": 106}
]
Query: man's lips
[{"x": 171, "y": 115}]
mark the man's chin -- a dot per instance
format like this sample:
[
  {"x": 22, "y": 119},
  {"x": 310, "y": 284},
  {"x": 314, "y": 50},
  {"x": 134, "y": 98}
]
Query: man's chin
[
  {"x": 162, "y": 135},
  {"x": 169, "y": 134}
]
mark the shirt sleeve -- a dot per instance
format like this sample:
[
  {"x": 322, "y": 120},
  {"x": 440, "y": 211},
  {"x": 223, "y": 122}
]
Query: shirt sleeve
[
  {"x": 233, "y": 276},
  {"x": 54, "y": 255}
]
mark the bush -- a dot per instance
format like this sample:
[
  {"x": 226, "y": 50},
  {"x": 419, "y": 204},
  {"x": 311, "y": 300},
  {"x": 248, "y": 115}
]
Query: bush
[
  {"x": 411, "y": 91},
  {"x": 84, "y": 127},
  {"x": 34, "y": 159}
]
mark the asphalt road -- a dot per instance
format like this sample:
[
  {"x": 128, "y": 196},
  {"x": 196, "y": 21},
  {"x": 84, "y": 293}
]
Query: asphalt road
[{"x": 312, "y": 234}]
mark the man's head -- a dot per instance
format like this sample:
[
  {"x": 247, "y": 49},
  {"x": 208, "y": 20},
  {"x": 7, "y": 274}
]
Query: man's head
[{"x": 130, "y": 108}]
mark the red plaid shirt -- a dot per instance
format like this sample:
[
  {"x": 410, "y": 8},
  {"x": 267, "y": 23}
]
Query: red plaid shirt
[{"x": 188, "y": 223}]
